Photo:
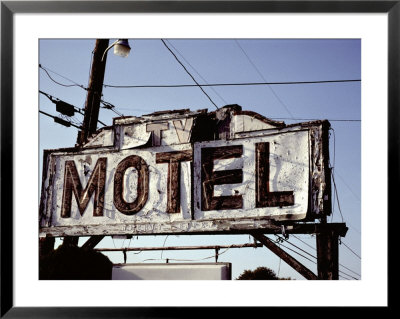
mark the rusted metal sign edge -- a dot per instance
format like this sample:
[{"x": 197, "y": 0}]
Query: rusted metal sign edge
[
  {"x": 197, "y": 228},
  {"x": 158, "y": 116},
  {"x": 175, "y": 227}
]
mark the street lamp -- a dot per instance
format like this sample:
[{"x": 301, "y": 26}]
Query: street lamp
[{"x": 121, "y": 48}]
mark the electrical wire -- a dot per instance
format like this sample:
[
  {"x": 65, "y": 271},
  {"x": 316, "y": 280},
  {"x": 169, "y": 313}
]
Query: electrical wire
[
  {"x": 58, "y": 118},
  {"x": 203, "y": 85},
  {"x": 280, "y": 259},
  {"x": 333, "y": 167},
  {"x": 303, "y": 241},
  {"x": 349, "y": 270},
  {"x": 209, "y": 257},
  {"x": 340, "y": 271},
  {"x": 80, "y": 111},
  {"x": 66, "y": 85},
  {"x": 187, "y": 62},
  {"x": 226, "y": 84},
  {"x": 337, "y": 196},
  {"x": 163, "y": 246},
  {"x": 281, "y": 238},
  {"x": 176, "y": 58},
  {"x": 330, "y": 120},
  {"x": 55, "y": 100},
  {"x": 50, "y": 97},
  {"x": 315, "y": 257},
  {"x": 350, "y": 249},
  {"x": 111, "y": 107},
  {"x": 299, "y": 254},
  {"x": 350, "y": 189},
  {"x": 314, "y": 261},
  {"x": 333, "y": 171},
  {"x": 261, "y": 75}
]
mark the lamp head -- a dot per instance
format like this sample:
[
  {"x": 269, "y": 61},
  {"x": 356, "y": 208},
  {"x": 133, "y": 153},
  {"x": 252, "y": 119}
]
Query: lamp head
[{"x": 122, "y": 48}]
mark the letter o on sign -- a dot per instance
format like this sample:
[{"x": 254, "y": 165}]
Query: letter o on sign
[{"x": 142, "y": 185}]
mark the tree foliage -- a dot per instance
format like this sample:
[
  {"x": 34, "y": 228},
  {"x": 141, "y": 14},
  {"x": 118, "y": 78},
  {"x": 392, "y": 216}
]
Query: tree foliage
[
  {"x": 260, "y": 273},
  {"x": 74, "y": 263}
]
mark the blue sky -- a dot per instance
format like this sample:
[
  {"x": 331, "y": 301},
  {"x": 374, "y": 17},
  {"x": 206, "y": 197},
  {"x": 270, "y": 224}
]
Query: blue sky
[{"x": 225, "y": 61}]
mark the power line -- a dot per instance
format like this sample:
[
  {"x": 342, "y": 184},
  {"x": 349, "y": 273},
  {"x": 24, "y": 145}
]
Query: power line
[
  {"x": 260, "y": 74},
  {"x": 111, "y": 107},
  {"x": 296, "y": 247},
  {"x": 187, "y": 62},
  {"x": 50, "y": 97},
  {"x": 303, "y": 242},
  {"x": 227, "y": 84},
  {"x": 176, "y": 58},
  {"x": 62, "y": 84},
  {"x": 337, "y": 196},
  {"x": 200, "y": 85},
  {"x": 61, "y": 104},
  {"x": 313, "y": 260},
  {"x": 299, "y": 254},
  {"x": 315, "y": 257},
  {"x": 163, "y": 246},
  {"x": 60, "y": 120},
  {"x": 334, "y": 166},
  {"x": 351, "y": 190},
  {"x": 348, "y": 275},
  {"x": 350, "y": 270},
  {"x": 330, "y": 120},
  {"x": 350, "y": 249}
]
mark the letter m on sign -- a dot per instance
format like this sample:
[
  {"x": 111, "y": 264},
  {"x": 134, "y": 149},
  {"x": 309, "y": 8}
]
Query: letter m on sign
[{"x": 72, "y": 185}]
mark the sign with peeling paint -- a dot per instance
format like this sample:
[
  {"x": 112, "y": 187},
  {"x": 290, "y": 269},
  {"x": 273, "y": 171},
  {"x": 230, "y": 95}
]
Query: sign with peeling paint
[{"x": 187, "y": 172}]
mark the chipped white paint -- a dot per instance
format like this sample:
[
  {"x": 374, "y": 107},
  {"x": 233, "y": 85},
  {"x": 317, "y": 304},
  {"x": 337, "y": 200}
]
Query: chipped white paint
[
  {"x": 245, "y": 123},
  {"x": 131, "y": 136},
  {"x": 155, "y": 207},
  {"x": 296, "y": 165},
  {"x": 103, "y": 139},
  {"x": 289, "y": 171}
]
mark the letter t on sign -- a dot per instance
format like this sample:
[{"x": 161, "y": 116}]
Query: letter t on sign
[
  {"x": 174, "y": 176},
  {"x": 155, "y": 129}
]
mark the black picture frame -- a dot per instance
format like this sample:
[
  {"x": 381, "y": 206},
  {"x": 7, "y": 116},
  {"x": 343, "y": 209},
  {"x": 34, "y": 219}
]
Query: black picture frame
[{"x": 9, "y": 8}]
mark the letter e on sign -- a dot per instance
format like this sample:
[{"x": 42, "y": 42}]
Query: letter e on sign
[{"x": 209, "y": 178}]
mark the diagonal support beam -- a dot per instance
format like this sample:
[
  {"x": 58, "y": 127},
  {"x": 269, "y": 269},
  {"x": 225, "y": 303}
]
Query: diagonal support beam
[
  {"x": 92, "y": 242},
  {"x": 304, "y": 271}
]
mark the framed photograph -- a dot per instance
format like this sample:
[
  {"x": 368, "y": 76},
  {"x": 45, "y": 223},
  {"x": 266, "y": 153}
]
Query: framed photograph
[{"x": 305, "y": 72}]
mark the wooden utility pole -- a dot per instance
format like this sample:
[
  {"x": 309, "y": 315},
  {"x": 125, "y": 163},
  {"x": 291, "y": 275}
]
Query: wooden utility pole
[
  {"x": 328, "y": 254},
  {"x": 92, "y": 105},
  {"x": 327, "y": 235},
  {"x": 95, "y": 88}
]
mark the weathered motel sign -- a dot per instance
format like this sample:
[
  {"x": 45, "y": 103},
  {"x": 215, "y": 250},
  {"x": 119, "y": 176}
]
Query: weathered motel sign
[{"x": 187, "y": 172}]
